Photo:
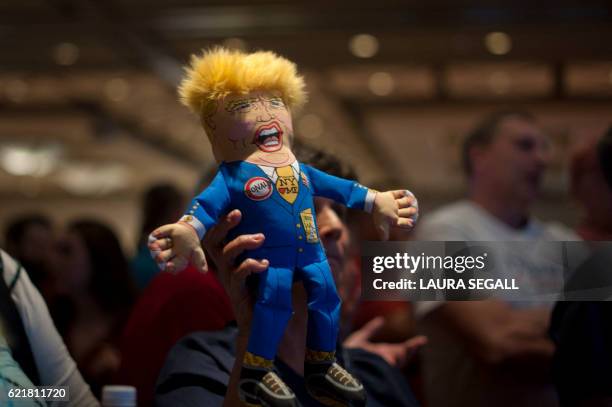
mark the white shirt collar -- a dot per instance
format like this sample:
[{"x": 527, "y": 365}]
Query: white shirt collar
[
  {"x": 271, "y": 171},
  {"x": 296, "y": 166}
]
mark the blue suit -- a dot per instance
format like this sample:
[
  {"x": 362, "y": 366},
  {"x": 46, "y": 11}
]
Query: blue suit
[{"x": 291, "y": 245}]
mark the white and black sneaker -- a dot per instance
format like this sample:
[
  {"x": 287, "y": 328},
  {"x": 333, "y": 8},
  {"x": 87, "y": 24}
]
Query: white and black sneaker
[
  {"x": 267, "y": 390},
  {"x": 332, "y": 385}
]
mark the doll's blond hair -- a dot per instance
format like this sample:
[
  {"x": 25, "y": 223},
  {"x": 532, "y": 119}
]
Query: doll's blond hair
[{"x": 218, "y": 72}]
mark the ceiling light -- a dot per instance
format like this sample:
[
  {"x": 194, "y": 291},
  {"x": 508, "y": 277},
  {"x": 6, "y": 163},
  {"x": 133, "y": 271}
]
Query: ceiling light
[
  {"x": 381, "y": 83},
  {"x": 498, "y": 43},
  {"x": 363, "y": 45},
  {"x": 93, "y": 179},
  {"x": 21, "y": 160}
]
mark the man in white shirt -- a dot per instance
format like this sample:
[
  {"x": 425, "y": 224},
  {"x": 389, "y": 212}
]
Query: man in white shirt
[{"x": 492, "y": 352}]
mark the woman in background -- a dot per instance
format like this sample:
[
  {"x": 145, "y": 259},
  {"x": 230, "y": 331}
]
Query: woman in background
[{"x": 97, "y": 294}]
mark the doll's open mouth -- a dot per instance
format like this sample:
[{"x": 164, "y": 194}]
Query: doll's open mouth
[{"x": 269, "y": 138}]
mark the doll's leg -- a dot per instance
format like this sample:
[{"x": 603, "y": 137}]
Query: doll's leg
[
  {"x": 323, "y": 310},
  {"x": 271, "y": 313},
  {"x": 326, "y": 381}
]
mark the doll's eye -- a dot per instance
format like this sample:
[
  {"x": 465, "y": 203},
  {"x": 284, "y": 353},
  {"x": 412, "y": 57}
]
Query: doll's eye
[
  {"x": 276, "y": 103},
  {"x": 240, "y": 106}
]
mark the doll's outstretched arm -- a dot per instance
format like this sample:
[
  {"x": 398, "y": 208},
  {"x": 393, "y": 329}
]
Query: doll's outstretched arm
[
  {"x": 175, "y": 245},
  {"x": 348, "y": 193},
  {"x": 389, "y": 209}
]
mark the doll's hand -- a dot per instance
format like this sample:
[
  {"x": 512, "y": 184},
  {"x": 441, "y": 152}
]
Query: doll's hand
[
  {"x": 233, "y": 277},
  {"x": 394, "y": 209},
  {"x": 396, "y": 354},
  {"x": 173, "y": 246}
]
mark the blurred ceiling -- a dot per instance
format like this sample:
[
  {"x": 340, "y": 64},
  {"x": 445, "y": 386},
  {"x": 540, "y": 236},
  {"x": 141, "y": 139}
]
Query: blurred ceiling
[{"x": 393, "y": 85}]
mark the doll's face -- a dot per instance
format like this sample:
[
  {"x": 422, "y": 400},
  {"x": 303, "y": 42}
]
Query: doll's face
[{"x": 254, "y": 127}]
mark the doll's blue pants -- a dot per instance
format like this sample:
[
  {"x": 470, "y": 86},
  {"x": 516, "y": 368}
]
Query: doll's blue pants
[{"x": 273, "y": 309}]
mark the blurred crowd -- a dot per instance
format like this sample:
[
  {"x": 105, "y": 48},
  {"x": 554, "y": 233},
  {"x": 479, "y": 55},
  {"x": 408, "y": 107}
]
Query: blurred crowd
[{"x": 121, "y": 320}]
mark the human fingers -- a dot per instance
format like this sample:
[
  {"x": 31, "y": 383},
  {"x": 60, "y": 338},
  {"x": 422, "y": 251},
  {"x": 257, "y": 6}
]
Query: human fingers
[
  {"x": 415, "y": 343},
  {"x": 216, "y": 235},
  {"x": 364, "y": 333},
  {"x": 410, "y": 347},
  {"x": 243, "y": 242},
  {"x": 249, "y": 266}
]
